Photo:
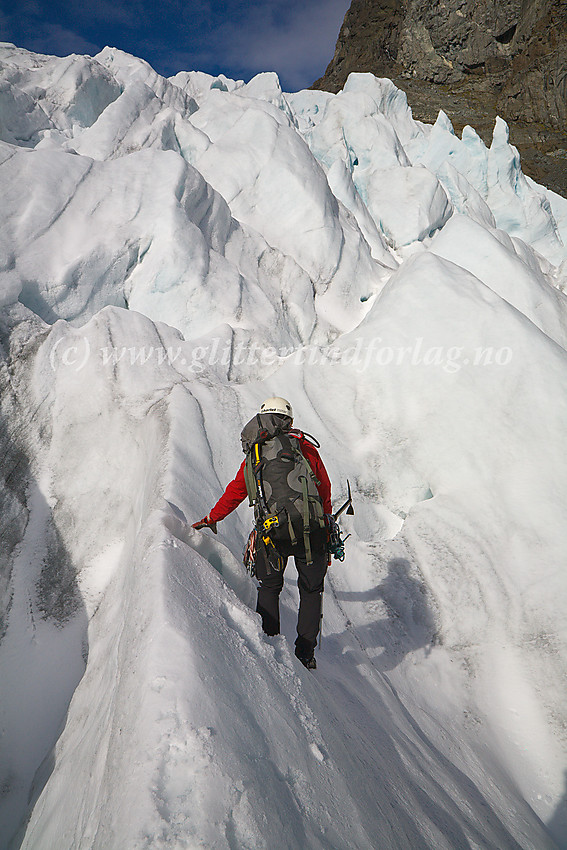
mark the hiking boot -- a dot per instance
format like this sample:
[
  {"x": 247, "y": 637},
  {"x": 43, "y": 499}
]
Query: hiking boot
[{"x": 307, "y": 660}]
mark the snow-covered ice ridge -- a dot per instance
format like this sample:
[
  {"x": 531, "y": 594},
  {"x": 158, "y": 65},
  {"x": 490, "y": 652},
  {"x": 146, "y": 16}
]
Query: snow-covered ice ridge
[{"x": 172, "y": 252}]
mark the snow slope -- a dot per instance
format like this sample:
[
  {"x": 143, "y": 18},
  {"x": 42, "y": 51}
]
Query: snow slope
[{"x": 172, "y": 252}]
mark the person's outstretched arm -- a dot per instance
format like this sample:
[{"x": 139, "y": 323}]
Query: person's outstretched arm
[{"x": 234, "y": 494}]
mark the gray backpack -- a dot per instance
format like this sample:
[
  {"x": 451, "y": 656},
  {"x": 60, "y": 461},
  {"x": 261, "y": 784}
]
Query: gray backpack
[{"x": 280, "y": 483}]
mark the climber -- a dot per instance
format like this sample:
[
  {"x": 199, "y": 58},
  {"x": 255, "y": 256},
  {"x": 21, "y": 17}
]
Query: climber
[{"x": 287, "y": 483}]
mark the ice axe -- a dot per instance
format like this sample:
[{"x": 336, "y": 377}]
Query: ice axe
[
  {"x": 348, "y": 506},
  {"x": 336, "y": 543}
]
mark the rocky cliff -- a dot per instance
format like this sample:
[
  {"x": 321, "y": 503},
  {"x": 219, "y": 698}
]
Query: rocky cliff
[{"x": 474, "y": 59}]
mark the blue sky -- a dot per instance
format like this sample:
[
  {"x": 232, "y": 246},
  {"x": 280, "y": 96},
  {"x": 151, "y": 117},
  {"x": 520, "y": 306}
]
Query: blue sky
[{"x": 296, "y": 38}]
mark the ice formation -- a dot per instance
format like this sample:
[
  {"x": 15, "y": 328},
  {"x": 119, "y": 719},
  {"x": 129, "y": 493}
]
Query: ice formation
[{"x": 173, "y": 251}]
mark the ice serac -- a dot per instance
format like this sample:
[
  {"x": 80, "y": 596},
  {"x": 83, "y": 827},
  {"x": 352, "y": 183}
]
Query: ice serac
[
  {"x": 21, "y": 117},
  {"x": 519, "y": 206},
  {"x": 172, "y": 252},
  {"x": 521, "y": 283},
  {"x": 128, "y": 70},
  {"x": 85, "y": 235},
  {"x": 73, "y": 90},
  {"x": 264, "y": 170},
  {"x": 366, "y": 127},
  {"x": 198, "y": 85}
]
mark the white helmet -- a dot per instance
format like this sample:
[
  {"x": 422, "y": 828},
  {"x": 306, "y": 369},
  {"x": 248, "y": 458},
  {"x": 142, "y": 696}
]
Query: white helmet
[{"x": 277, "y": 405}]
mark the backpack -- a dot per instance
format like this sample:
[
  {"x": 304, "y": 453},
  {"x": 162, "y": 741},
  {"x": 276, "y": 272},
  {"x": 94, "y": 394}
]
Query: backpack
[{"x": 281, "y": 485}]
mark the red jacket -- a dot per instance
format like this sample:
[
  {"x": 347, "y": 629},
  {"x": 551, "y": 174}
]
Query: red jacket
[{"x": 236, "y": 492}]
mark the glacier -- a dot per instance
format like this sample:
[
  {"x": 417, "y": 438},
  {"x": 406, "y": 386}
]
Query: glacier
[{"x": 173, "y": 251}]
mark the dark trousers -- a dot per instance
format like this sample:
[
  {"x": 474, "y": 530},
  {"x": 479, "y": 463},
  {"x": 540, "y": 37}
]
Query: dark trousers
[{"x": 311, "y": 578}]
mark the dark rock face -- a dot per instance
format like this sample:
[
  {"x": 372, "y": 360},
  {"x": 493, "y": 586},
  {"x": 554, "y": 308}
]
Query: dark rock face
[
  {"x": 474, "y": 59},
  {"x": 535, "y": 83},
  {"x": 442, "y": 42},
  {"x": 368, "y": 41}
]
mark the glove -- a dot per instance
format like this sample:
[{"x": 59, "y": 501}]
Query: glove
[
  {"x": 335, "y": 543},
  {"x": 331, "y": 523},
  {"x": 205, "y": 523}
]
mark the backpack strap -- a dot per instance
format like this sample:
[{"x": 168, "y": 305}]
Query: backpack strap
[
  {"x": 250, "y": 480},
  {"x": 292, "y": 535},
  {"x": 253, "y": 478},
  {"x": 309, "y": 437},
  {"x": 306, "y": 535}
]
